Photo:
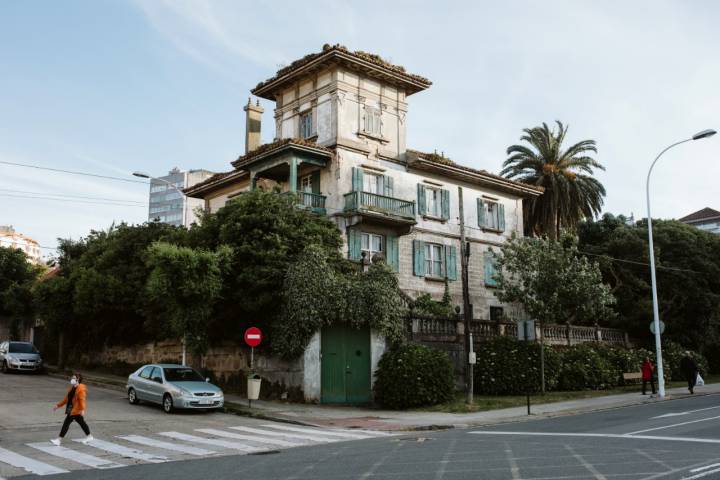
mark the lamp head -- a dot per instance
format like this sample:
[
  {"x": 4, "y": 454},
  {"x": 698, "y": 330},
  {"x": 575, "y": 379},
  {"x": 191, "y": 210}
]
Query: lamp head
[
  {"x": 141, "y": 174},
  {"x": 704, "y": 134}
]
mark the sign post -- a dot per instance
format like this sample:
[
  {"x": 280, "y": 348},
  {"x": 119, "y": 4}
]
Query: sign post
[
  {"x": 526, "y": 333},
  {"x": 253, "y": 337}
]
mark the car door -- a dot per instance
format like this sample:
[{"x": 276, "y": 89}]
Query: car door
[
  {"x": 142, "y": 383},
  {"x": 156, "y": 388}
]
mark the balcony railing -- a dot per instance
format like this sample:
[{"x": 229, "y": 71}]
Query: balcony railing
[
  {"x": 311, "y": 201},
  {"x": 372, "y": 202}
]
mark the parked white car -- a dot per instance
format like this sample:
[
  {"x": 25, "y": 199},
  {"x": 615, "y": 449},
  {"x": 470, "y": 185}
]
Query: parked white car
[{"x": 19, "y": 356}]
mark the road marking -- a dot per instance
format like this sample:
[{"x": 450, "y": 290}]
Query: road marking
[
  {"x": 210, "y": 441},
  {"x": 124, "y": 451},
  {"x": 603, "y": 435},
  {"x": 683, "y": 413},
  {"x": 151, "y": 442},
  {"x": 239, "y": 436},
  {"x": 700, "y": 469},
  {"x": 653, "y": 459},
  {"x": 700, "y": 475},
  {"x": 514, "y": 468},
  {"x": 313, "y": 431},
  {"x": 673, "y": 425},
  {"x": 589, "y": 467},
  {"x": 73, "y": 456},
  {"x": 313, "y": 438},
  {"x": 28, "y": 464}
]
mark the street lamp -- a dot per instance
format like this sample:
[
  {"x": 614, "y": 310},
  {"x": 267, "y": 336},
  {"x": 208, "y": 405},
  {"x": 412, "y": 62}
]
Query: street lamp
[
  {"x": 656, "y": 314},
  {"x": 145, "y": 175}
]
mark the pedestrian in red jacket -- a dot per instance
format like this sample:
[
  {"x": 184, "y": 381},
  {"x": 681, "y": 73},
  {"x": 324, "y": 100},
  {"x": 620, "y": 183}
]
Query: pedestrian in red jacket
[{"x": 647, "y": 375}]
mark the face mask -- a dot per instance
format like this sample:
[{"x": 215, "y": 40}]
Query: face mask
[{"x": 73, "y": 382}]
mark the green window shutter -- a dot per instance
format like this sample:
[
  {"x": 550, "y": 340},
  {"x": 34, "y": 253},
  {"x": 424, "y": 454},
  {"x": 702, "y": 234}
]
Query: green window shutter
[
  {"x": 393, "y": 253},
  {"x": 481, "y": 212},
  {"x": 357, "y": 179},
  {"x": 501, "y": 217},
  {"x": 489, "y": 260},
  {"x": 419, "y": 258},
  {"x": 422, "y": 203},
  {"x": 354, "y": 244},
  {"x": 315, "y": 181},
  {"x": 451, "y": 262},
  {"x": 445, "y": 204},
  {"x": 388, "y": 185}
]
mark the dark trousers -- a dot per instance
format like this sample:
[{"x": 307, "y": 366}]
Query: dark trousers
[
  {"x": 652, "y": 385},
  {"x": 691, "y": 379},
  {"x": 69, "y": 419}
]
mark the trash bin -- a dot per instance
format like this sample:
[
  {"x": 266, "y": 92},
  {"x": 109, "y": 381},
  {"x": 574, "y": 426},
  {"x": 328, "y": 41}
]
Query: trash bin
[{"x": 253, "y": 387}]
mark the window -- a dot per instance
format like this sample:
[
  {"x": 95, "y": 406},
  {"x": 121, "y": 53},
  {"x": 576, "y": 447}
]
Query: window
[
  {"x": 306, "y": 184},
  {"x": 371, "y": 244},
  {"x": 434, "y": 260},
  {"x": 489, "y": 261},
  {"x": 434, "y": 202},
  {"x": 372, "y": 121},
  {"x": 491, "y": 214},
  {"x": 182, "y": 375},
  {"x": 496, "y": 314},
  {"x": 146, "y": 372},
  {"x": 306, "y": 124},
  {"x": 373, "y": 183}
]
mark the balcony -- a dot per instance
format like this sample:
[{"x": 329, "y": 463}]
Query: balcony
[
  {"x": 375, "y": 208},
  {"x": 310, "y": 201}
]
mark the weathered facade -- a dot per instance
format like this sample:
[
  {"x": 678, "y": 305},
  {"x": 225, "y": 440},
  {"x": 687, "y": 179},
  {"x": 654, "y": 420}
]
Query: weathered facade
[{"x": 340, "y": 128}]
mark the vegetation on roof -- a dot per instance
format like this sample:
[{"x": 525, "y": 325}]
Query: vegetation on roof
[{"x": 267, "y": 147}]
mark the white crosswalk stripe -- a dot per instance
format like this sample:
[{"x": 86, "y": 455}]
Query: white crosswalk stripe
[
  {"x": 210, "y": 441},
  {"x": 151, "y": 442},
  {"x": 74, "y": 456},
  {"x": 313, "y": 431},
  {"x": 313, "y": 438},
  {"x": 28, "y": 464},
  {"x": 252, "y": 438},
  {"x": 124, "y": 451}
]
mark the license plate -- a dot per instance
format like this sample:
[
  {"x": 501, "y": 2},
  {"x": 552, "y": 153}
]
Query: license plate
[{"x": 206, "y": 402}]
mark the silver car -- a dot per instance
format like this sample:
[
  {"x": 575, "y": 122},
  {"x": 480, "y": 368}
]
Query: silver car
[
  {"x": 173, "y": 386},
  {"x": 19, "y": 356}
]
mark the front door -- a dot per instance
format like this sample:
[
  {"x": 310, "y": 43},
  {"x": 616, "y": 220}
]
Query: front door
[{"x": 345, "y": 365}]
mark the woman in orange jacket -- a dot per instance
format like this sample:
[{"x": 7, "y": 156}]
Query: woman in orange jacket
[{"x": 74, "y": 402}]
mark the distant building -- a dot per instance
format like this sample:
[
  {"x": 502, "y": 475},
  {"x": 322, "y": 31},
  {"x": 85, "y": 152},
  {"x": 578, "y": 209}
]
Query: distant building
[
  {"x": 706, "y": 219},
  {"x": 11, "y": 239},
  {"x": 168, "y": 205}
]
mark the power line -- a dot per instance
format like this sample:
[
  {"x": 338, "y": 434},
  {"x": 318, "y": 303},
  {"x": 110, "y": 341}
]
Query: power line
[
  {"x": 73, "y": 196},
  {"x": 117, "y": 204},
  {"x": 72, "y": 172}
]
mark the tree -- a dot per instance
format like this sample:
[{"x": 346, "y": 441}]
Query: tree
[
  {"x": 552, "y": 281},
  {"x": 17, "y": 276},
  {"x": 267, "y": 233},
  {"x": 688, "y": 274},
  {"x": 571, "y": 193},
  {"x": 184, "y": 284}
]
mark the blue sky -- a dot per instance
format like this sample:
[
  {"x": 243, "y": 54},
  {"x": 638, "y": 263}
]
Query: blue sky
[{"x": 110, "y": 87}]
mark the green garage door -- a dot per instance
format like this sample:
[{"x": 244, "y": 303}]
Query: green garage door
[{"x": 345, "y": 365}]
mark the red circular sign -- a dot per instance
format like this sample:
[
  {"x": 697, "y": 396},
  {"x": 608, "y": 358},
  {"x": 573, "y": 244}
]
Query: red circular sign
[{"x": 253, "y": 336}]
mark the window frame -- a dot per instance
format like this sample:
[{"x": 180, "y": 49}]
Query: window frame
[
  {"x": 306, "y": 129},
  {"x": 492, "y": 214},
  {"x": 372, "y": 121},
  {"x": 431, "y": 261},
  {"x": 378, "y": 182},
  {"x": 434, "y": 193},
  {"x": 370, "y": 251}
]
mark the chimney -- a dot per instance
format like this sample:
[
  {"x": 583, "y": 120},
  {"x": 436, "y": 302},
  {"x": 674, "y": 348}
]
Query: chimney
[{"x": 253, "y": 117}]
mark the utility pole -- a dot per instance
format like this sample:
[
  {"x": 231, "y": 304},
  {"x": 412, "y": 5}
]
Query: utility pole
[{"x": 464, "y": 257}]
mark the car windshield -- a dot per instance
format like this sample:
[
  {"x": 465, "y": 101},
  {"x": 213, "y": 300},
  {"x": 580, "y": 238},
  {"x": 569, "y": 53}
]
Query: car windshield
[
  {"x": 22, "y": 347},
  {"x": 182, "y": 375}
]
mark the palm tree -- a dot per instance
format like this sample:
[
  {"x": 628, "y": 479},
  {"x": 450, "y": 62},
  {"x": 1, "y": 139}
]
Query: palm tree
[{"x": 571, "y": 193}]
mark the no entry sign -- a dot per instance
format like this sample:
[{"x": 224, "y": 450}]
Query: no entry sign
[{"x": 253, "y": 336}]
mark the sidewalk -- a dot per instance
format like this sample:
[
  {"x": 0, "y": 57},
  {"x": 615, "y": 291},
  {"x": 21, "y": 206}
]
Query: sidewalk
[{"x": 376, "y": 419}]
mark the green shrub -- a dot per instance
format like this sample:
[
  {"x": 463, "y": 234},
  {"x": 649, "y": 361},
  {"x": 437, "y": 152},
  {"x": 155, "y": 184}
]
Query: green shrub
[
  {"x": 413, "y": 375},
  {"x": 626, "y": 360},
  {"x": 506, "y": 366},
  {"x": 587, "y": 366},
  {"x": 672, "y": 353}
]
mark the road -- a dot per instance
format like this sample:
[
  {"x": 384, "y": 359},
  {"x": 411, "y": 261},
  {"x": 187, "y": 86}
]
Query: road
[{"x": 678, "y": 439}]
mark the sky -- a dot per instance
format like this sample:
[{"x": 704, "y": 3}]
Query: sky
[{"x": 111, "y": 87}]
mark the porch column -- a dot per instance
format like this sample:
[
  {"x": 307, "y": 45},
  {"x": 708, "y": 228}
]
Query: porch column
[
  {"x": 253, "y": 181},
  {"x": 293, "y": 175}
]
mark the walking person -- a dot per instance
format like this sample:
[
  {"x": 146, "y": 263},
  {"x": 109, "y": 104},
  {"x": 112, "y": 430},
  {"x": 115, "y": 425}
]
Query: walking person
[
  {"x": 648, "y": 370},
  {"x": 689, "y": 368},
  {"x": 74, "y": 403}
]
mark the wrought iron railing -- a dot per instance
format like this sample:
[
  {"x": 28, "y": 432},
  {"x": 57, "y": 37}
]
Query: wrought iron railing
[
  {"x": 312, "y": 201},
  {"x": 355, "y": 201}
]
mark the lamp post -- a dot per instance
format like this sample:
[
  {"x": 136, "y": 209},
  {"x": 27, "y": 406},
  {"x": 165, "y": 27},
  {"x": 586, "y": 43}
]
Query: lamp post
[
  {"x": 145, "y": 175},
  {"x": 656, "y": 314}
]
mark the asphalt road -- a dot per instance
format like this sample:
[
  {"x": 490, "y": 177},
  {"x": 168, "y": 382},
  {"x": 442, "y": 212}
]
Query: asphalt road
[{"x": 677, "y": 439}]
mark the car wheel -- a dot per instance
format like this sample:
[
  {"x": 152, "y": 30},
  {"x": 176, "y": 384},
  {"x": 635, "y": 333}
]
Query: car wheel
[
  {"x": 167, "y": 403},
  {"x": 132, "y": 397},
  {"x": 5, "y": 368}
]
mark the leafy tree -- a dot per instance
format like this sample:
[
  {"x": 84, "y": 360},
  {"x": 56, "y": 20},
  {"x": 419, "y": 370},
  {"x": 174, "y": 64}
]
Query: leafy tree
[
  {"x": 185, "y": 283},
  {"x": 17, "y": 275},
  {"x": 571, "y": 192},
  {"x": 688, "y": 275},
  {"x": 552, "y": 281},
  {"x": 267, "y": 234}
]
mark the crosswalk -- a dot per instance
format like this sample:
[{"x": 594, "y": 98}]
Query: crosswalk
[{"x": 43, "y": 458}]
